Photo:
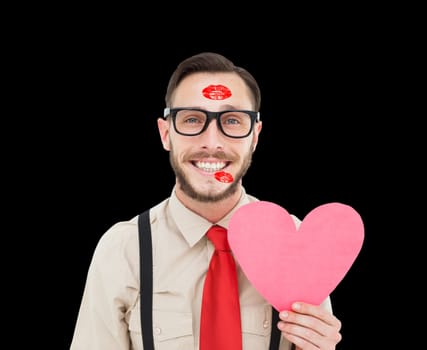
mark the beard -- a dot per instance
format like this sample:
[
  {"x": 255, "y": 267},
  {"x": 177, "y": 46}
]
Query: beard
[{"x": 184, "y": 183}]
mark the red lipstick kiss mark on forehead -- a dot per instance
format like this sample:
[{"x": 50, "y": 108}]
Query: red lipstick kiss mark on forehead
[{"x": 216, "y": 92}]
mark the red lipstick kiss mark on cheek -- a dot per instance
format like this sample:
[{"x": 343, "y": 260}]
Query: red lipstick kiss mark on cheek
[
  {"x": 216, "y": 92},
  {"x": 223, "y": 176}
]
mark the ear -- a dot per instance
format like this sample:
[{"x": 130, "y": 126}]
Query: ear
[
  {"x": 257, "y": 131},
  {"x": 163, "y": 126}
]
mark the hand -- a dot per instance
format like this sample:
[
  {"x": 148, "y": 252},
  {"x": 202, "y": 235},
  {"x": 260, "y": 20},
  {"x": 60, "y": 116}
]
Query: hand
[{"x": 310, "y": 327}]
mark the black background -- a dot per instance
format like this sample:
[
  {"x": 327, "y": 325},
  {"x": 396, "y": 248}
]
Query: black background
[{"x": 94, "y": 156}]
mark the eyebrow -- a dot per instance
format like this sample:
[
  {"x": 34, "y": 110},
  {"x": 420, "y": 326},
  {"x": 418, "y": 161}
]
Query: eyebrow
[{"x": 223, "y": 107}]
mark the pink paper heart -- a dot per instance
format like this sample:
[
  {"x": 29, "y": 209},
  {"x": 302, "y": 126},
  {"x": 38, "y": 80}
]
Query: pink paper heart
[{"x": 287, "y": 264}]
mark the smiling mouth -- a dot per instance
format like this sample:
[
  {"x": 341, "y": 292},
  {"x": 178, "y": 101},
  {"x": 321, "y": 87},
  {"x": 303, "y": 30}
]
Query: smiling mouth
[{"x": 210, "y": 167}]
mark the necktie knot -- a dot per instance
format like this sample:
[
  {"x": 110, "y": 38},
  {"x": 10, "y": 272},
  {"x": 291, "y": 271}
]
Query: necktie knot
[{"x": 218, "y": 236}]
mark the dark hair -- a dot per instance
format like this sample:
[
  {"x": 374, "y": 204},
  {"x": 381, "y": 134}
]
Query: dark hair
[{"x": 211, "y": 62}]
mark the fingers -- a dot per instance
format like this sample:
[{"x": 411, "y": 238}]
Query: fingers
[
  {"x": 310, "y": 327},
  {"x": 317, "y": 312}
]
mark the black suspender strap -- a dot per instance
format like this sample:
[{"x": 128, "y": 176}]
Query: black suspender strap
[
  {"x": 146, "y": 287},
  {"x": 146, "y": 279},
  {"x": 275, "y": 332}
]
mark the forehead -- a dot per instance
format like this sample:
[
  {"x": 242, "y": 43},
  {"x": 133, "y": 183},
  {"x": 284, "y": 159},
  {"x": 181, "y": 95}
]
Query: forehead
[{"x": 212, "y": 91}]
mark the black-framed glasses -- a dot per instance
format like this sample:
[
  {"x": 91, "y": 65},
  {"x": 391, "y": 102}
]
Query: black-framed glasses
[{"x": 193, "y": 121}]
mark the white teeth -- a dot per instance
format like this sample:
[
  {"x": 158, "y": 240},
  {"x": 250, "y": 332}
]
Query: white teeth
[{"x": 209, "y": 166}]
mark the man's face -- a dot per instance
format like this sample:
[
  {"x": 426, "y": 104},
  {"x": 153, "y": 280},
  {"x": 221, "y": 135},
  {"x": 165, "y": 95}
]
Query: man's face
[{"x": 196, "y": 159}]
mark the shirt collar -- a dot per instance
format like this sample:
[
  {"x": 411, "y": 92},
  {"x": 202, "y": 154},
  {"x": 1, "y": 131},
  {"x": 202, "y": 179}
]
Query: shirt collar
[{"x": 192, "y": 226}]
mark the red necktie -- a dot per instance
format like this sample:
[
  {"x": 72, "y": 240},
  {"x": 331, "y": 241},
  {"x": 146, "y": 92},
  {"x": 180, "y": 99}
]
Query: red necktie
[{"x": 220, "y": 327}]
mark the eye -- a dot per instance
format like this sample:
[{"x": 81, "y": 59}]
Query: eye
[
  {"x": 231, "y": 121},
  {"x": 191, "y": 117},
  {"x": 234, "y": 118},
  {"x": 191, "y": 120}
]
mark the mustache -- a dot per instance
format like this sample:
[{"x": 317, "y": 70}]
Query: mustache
[{"x": 217, "y": 154}]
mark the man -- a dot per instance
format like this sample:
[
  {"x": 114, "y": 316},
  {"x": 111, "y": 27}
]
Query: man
[{"x": 210, "y": 128}]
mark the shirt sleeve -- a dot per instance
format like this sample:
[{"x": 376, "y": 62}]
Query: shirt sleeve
[{"x": 111, "y": 290}]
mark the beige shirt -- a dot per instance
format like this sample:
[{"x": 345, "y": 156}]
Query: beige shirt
[{"x": 109, "y": 316}]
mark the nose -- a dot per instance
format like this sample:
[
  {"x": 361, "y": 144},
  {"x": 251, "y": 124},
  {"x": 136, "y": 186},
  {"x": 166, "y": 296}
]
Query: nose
[{"x": 212, "y": 136}]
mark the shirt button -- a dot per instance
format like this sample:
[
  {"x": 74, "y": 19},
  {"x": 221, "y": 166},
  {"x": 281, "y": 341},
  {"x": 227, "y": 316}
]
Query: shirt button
[
  {"x": 266, "y": 324},
  {"x": 157, "y": 330}
]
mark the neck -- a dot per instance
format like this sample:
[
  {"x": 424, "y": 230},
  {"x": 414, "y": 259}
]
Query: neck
[{"x": 211, "y": 211}]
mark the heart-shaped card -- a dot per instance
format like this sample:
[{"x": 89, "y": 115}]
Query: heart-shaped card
[{"x": 286, "y": 263}]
